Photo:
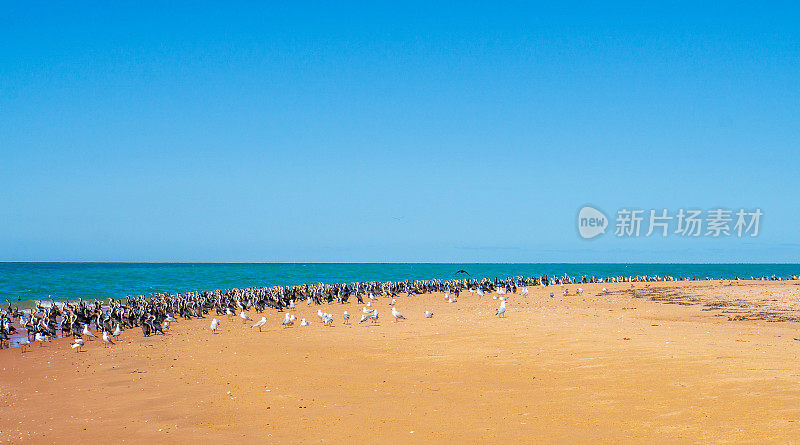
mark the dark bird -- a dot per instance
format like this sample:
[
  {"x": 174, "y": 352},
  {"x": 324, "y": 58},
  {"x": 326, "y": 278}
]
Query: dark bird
[{"x": 462, "y": 271}]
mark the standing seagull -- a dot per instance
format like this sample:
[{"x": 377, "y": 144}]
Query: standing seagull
[
  {"x": 245, "y": 318},
  {"x": 346, "y": 317},
  {"x": 397, "y": 315},
  {"x": 41, "y": 337},
  {"x": 214, "y": 325},
  {"x": 78, "y": 344},
  {"x": 106, "y": 338},
  {"x": 23, "y": 343},
  {"x": 288, "y": 320},
  {"x": 87, "y": 332},
  {"x": 260, "y": 323},
  {"x": 501, "y": 310},
  {"x": 117, "y": 331},
  {"x": 428, "y": 314}
]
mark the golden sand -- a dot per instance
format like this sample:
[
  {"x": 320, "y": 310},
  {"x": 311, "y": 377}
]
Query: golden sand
[{"x": 673, "y": 362}]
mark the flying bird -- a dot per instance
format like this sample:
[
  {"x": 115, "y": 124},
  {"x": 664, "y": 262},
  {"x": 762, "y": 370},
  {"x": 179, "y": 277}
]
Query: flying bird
[{"x": 462, "y": 271}]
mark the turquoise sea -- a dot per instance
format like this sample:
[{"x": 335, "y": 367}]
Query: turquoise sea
[{"x": 29, "y": 281}]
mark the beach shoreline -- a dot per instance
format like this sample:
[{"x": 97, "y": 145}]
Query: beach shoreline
[{"x": 667, "y": 361}]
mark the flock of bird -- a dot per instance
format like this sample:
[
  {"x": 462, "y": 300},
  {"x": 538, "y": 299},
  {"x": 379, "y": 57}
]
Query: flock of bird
[{"x": 153, "y": 314}]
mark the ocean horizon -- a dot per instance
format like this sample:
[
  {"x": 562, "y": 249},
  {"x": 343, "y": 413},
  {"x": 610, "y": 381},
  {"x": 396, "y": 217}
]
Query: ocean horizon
[{"x": 20, "y": 281}]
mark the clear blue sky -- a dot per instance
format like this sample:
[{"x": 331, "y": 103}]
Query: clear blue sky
[{"x": 192, "y": 131}]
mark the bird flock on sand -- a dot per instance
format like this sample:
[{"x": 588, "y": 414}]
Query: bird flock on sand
[{"x": 153, "y": 314}]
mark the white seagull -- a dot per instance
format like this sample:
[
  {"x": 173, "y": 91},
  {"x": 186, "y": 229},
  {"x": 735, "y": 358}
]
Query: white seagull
[
  {"x": 87, "y": 332},
  {"x": 502, "y": 309},
  {"x": 346, "y": 317},
  {"x": 78, "y": 344},
  {"x": 245, "y": 318},
  {"x": 303, "y": 322},
  {"x": 260, "y": 323},
  {"x": 428, "y": 314},
  {"x": 23, "y": 343},
  {"x": 106, "y": 338},
  {"x": 214, "y": 325},
  {"x": 41, "y": 337},
  {"x": 118, "y": 331},
  {"x": 397, "y": 315},
  {"x": 287, "y": 320}
]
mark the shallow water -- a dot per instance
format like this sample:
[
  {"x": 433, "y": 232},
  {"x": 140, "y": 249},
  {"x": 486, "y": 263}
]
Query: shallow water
[{"x": 39, "y": 281}]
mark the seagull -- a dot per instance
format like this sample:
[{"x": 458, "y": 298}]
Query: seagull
[
  {"x": 369, "y": 303},
  {"x": 428, "y": 314},
  {"x": 364, "y": 318},
  {"x": 87, "y": 332},
  {"x": 41, "y": 337},
  {"x": 524, "y": 291},
  {"x": 566, "y": 292},
  {"x": 551, "y": 295},
  {"x": 480, "y": 292},
  {"x": 450, "y": 300},
  {"x": 397, "y": 315},
  {"x": 106, "y": 338},
  {"x": 228, "y": 311},
  {"x": 78, "y": 344},
  {"x": 291, "y": 304},
  {"x": 165, "y": 325},
  {"x": 23, "y": 343},
  {"x": 260, "y": 323},
  {"x": 321, "y": 315},
  {"x": 308, "y": 301},
  {"x": 374, "y": 316},
  {"x": 245, "y": 318},
  {"x": 346, "y": 317},
  {"x": 303, "y": 322},
  {"x": 118, "y": 331},
  {"x": 366, "y": 311},
  {"x": 287, "y": 320},
  {"x": 462, "y": 271},
  {"x": 393, "y": 302},
  {"x": 170, "y": 318},
  {"x": 501, "y": 310},
  {"x": 214, "y": 325},
  {"x": 579, "y": 291},
  {"x": 327, "y": 319},
  {"x": 603, "y": 290}
]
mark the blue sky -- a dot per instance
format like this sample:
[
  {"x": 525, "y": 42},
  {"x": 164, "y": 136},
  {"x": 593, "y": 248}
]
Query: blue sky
[{"x": 196, "y": 131}]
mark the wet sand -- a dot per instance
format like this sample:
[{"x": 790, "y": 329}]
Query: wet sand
[{"x": 709, "y": 361}]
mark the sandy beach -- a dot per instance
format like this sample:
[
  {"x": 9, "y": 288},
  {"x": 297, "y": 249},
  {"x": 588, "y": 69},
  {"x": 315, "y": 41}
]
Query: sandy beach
[{"x": 709, "y": 361}]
